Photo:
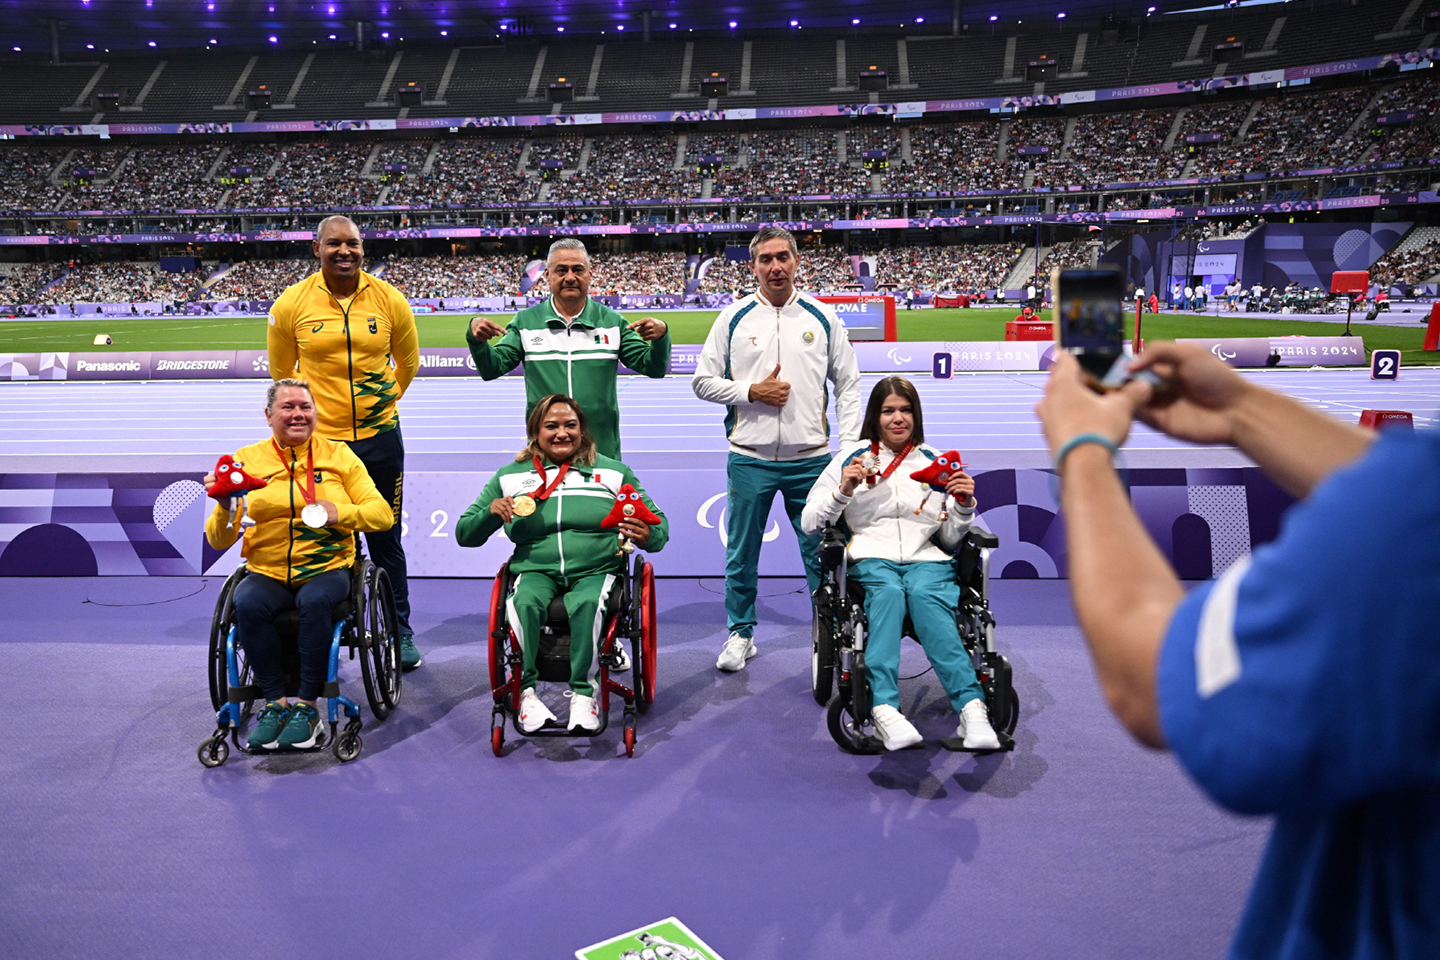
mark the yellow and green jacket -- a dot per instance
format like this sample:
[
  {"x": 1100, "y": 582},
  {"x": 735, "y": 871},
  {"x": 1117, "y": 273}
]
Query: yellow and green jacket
[
  {"x": 280, "y": 545},
  {"x": 345, "y": 348}
]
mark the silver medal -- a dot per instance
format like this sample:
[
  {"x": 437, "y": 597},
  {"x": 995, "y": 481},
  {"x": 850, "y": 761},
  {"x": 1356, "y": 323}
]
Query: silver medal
[
  {"x": 871, "y": 464},
  {"x": 314, "y": 515}
]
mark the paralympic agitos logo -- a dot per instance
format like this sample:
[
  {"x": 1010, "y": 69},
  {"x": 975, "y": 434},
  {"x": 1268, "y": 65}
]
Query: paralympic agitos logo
[{"x": 702, "y": 517}]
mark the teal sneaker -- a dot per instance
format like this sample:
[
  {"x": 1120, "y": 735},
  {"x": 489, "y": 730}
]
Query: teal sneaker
[
  {"x": 302, "y": 729},
  {"x": 409, "y": 656},
  {"x": 268, "y": 726}
]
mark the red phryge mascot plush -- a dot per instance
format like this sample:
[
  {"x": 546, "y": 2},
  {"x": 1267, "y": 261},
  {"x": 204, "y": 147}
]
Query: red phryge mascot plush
[
  {"x": 231, "y": 480},
  {"x": 936, "y": 476},
  {"x": 628, "y": 506}
]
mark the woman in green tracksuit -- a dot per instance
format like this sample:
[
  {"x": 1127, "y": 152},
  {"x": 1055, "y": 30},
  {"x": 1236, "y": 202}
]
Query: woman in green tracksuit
[{"x": 551, "y": 502}]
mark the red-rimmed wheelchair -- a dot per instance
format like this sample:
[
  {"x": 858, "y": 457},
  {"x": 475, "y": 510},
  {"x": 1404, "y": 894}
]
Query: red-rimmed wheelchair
[{"x": 629, "y": 620}]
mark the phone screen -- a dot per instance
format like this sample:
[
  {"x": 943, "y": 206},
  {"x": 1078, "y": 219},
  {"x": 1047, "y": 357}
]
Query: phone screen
[{"x": 1089, "y": 317}]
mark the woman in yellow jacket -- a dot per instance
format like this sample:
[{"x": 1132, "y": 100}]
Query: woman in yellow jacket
[{"x": 299, "y": 551}]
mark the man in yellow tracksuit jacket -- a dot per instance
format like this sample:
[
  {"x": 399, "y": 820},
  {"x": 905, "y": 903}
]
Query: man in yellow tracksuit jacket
[{"x": 353, "y": 337}]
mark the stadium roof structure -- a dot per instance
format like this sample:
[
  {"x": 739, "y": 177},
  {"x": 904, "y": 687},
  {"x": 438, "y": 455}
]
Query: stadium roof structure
[{"x": 83, "y": 28}]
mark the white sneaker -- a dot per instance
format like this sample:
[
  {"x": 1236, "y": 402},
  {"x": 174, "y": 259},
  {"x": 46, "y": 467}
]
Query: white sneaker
[
  {"x": 975, "y": 729},
  {"x": 584, "y": 712},
  {"x": 533, "y": 713},
  {"x": 736, "y": 651},
  {"x": 622, "y": 659},
  {"x": 896, "y": 733}
]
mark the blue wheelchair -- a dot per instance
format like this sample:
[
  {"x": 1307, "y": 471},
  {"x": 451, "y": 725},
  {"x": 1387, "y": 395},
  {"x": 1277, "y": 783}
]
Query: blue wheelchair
[
  {"x": 365, "y": 627},
  {"x": 838, "y": 678}
]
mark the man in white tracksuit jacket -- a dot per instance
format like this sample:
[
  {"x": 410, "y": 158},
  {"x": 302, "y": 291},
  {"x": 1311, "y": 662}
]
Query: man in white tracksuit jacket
[{"x": 768, "y": 358}]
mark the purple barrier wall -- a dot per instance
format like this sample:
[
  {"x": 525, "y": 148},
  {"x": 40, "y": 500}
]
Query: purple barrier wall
[{"x": 153, "y": 524}]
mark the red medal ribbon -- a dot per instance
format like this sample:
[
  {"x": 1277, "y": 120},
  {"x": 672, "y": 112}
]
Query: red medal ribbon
[
  {"x": 307, "y": 491},
  {"x": 875, "y": 452},
  {"x": 545, "y": 491}
]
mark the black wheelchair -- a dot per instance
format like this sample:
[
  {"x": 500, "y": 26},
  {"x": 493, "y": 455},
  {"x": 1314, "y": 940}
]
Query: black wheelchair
[
  {"x": 365, "y": 625},
  {"x": 629, "y": 616},
  {"x": 838, "y": 679}
]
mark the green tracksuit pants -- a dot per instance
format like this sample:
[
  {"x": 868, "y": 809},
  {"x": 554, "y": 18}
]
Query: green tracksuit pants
[{"x": 528, "y": 604}]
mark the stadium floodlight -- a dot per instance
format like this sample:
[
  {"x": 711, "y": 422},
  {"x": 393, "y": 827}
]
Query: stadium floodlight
[
  {"x": 504, "y": 26},
  {"x": 16, "y": 49},
  {"x": 559, "y": 29},
  {"x": 854, "y": 21},
  {"x": 91, "y": 46},
  {"x": 151, "y": 43},
  {"x": 919, "y": 19},
  {"x": 794, "y": 23},
  {"x": 993, "y": 18},
  {"x": 330, "y": 10},
  {"x": 733, "y": 24},
  {"x": 214, "y": 42},
  {"x": 383, "y": 36},
  {"x": 209, "y": 6},
  {"x": 1060, "y": 15},
  {"x": 444, "y": 33},
  {"x": 274, "y": 39},
  {"x": 621, "y": 27},
  {"x": 673, "y": 26}
]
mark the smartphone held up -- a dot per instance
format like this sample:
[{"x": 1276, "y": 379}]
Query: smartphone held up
[{"x": 1090, "y": 323}]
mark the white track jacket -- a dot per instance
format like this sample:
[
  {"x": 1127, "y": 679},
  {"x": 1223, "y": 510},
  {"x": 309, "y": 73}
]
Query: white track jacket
[
  {"x": 809, "y": 342},
  {"x": 882, "y": 519}
]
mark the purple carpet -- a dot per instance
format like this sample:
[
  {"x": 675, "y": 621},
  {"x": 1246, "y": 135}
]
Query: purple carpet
[{"x": 738, "y": 814}]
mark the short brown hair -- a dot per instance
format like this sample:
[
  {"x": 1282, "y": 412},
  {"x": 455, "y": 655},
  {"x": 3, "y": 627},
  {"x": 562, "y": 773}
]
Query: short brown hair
[
  {"x": 584, "y": 450},
  {"x": 774, "y": 233},
  {"x": 900, "y": 387}
]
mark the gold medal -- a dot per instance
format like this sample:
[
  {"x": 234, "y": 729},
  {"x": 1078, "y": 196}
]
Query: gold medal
[{"x": 524, "y": 505}]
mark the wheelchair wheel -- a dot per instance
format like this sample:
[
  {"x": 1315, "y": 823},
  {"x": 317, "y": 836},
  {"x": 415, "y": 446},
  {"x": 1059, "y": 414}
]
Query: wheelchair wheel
[
  {"x": 380, "y": 658},
  {"x": 496, "y": 635},
  {"x": 646, "y": 671},
  {"x": 214, "y": 751},
  {"x": 219, "y": 630},
  {"x": 1000, "y": 697},
  {"x": 845, "y": 730},
  {"x": 822, "y": 651}
]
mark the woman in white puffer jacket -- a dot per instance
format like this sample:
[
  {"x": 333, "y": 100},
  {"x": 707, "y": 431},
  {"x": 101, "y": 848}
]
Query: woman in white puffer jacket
[{"x": 901, "y": 557}]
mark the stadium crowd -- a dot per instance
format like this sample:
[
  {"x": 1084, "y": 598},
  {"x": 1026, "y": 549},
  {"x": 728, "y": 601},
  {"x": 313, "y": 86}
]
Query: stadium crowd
[
  {"x": 1419, "y": 264},
  {"x": 1288, "y": 131},
  {"x": 257, "y": 279},
  {"x": 1118, "y": 148},
  {"x": 494, "y": 275},
  {"x": 952, "y": 156},
  {"x": 119, "y": 282},
  {"x": 964, "y": 267},
  {"x": 629, "y": 166}
]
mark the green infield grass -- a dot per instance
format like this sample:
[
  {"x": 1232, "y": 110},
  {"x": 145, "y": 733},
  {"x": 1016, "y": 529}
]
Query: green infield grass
[{"x": 690, "y": 326}]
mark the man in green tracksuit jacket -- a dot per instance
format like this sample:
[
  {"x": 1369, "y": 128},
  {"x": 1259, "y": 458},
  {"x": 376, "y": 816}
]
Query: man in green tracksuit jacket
[
  {"x": 570, "y": 345},
  {"x": 551, "y": 502}
]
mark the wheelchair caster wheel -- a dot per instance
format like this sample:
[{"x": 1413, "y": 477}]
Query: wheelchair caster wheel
[
  {"x": 629, "y": 741},
  {"x": 347, "y": 746},
  {"x": 497, "y": 740},
  {"x": 214, "y": 751}
]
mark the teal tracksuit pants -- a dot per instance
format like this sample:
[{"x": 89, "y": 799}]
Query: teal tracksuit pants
[
  {"x": 753, "y": 484},
  {"x": 928, "y": 591}
]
